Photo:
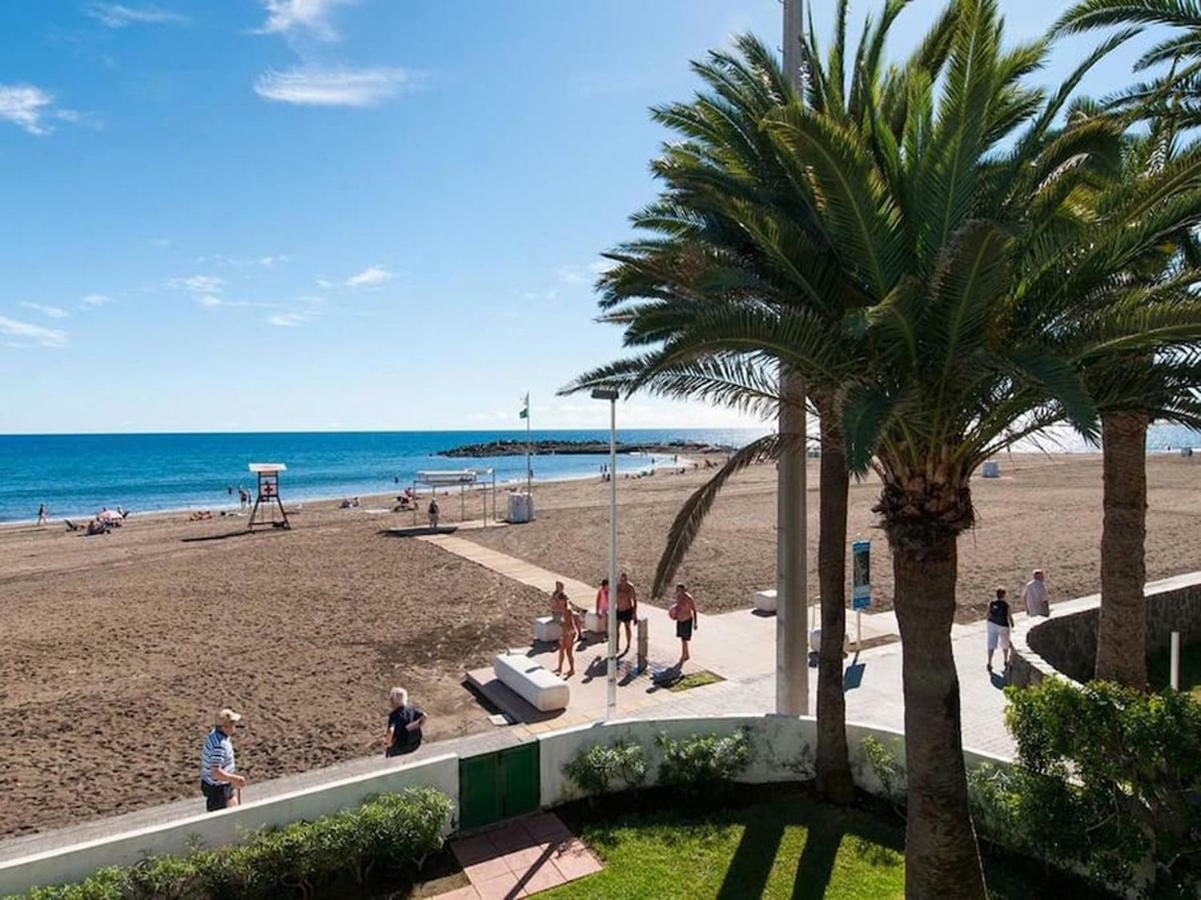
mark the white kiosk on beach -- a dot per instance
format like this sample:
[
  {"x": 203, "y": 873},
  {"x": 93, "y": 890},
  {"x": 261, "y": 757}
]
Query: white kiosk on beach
[{"x": 268, "y": 492}]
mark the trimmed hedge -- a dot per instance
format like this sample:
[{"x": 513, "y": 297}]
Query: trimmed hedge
[{"x": 388, "y": 833}]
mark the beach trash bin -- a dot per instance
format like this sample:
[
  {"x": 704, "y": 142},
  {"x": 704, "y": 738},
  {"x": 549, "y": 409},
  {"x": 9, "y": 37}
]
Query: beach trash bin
[
  {"x": 765, "y": 601},
  {"x": 991, "y": 470},
  {"x": 547, "y": 630},
  {"x": 521, "y": 507}
]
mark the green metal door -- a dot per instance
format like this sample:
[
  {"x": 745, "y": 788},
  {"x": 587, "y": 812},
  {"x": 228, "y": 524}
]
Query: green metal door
[
  {"x": 520, "y": 779},
  {"x": 498, "y": 785},
  {"x": 479, "y": 797}
]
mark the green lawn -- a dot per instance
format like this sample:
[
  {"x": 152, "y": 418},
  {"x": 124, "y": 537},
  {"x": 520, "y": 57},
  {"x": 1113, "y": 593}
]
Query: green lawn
[
  {"x": 788, "y": 846},
  {"x": 1190, "y": 670}
]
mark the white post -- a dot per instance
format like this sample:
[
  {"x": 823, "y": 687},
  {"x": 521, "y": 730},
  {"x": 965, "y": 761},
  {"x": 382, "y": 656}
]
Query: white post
[
  {"x": 792, "y": 604},
  {"x": 1175, "y": 661},
  {"x": 612, "y": 704},
  {"x": 858, "y": 630}
]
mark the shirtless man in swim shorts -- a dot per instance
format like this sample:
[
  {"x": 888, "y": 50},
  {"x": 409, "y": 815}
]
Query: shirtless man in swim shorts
[{"x": 627, "y": 606}]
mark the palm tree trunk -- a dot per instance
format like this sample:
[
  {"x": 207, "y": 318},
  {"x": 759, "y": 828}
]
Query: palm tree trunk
[
  {"x": 834, "y": 782},
  {"x": 941, "y": 857},
  {"x": 1122, "y": 629}
]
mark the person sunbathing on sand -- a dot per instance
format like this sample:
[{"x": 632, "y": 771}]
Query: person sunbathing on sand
[{"x": 200, "y": 515}]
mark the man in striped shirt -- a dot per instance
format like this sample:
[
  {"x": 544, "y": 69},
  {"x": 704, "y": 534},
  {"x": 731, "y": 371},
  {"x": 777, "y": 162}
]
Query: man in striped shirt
[{"x": 218, "y": 782}]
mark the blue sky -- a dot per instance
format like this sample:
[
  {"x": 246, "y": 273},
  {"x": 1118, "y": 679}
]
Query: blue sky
[{"x": 313, "y": 214}]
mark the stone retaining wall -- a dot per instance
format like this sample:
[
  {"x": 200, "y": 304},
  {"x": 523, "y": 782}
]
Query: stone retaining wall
[{"x": 1065, "y": 644}]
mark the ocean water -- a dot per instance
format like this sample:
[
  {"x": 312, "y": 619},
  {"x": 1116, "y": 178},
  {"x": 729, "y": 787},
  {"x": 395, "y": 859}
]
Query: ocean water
[{"x": 75, "y": 475}]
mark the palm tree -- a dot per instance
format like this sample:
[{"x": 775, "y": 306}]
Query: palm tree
[
  {"x": 941, "y": 237},
  {"x": 1135, "y": 386},
  {"x": 730, "y": 241}
]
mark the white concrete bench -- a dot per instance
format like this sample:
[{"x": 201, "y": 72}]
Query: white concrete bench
[
  {"x": 765, "y": 601},
  {"x": 547, "y": 629},
  {"x": 543, "y": 690},
  {"x": 595, "y": 623}
]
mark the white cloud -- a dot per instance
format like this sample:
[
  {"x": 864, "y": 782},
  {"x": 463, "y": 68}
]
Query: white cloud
[
  {"x": 46, "y": 337},
  {"x": 198, "y": 284},
  {"x": 29, "y": 107},
  {"x": 324, "y": 283},
  {"x": 311, "y": 86},
  {"x": 290, "y": 319},
  {"x": 96, "y": 300},
  {"x": 115, "y": 15},
  {"x": 540, "y": 295},
  {"x": 54, "y": 312},
  {"x": 310, "y": 16},
  {"x": 269, "y": 261},
  {"x": 208, "y": 301},
  {"x": 369, "y": 277},
  {"x": 572, "y": 275}
]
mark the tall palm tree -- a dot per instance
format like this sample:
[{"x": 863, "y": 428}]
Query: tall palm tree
[
  {"x": 730, "y": 239},
  {"x": 1133, "y": 387},
  {"x": 942, "y": 234}
]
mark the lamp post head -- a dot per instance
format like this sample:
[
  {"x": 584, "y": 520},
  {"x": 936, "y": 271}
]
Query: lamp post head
[{"x": 604, "y": 394}]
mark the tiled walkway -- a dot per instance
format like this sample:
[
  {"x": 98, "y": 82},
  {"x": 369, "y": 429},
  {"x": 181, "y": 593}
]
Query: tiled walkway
[{"x": 521, "y": 857}]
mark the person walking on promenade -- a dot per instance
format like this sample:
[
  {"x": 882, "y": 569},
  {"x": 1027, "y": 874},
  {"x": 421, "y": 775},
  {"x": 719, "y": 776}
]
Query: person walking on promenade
[
  {"x": 41, "y": 514},
  {"x": 999, "y": 621},
  {"x": 627, "y": 607},
  {"x": 218, "y": 782},
  {"x": 404, "y": 724},
  {"x": 1034, "y": 596},
  {"x": 684, "y": 609},
  {"x": 434, "y": 512},
  {"x": 602, "y": 598},
  {"x": 560, "y": 611}
]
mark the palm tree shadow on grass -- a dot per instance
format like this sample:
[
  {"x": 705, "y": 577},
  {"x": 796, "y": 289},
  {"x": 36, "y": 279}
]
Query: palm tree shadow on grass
[{"x": 826, "y": 828}]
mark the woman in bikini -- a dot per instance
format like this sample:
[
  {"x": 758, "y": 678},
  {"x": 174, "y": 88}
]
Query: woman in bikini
[
  {"x": 685, "y": 617},
  {"x": 560, "y": 611}
]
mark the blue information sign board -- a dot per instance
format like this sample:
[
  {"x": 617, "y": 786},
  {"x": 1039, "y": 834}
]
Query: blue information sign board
[{"x": 861, "y": 574}]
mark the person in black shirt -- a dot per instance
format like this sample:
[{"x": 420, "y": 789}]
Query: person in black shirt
[
  {"x": 1000, "y": 620},
  {"x": 404, "y": 724}
]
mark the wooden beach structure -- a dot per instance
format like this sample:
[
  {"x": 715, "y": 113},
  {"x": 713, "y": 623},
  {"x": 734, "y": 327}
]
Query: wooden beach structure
[{"x": 267, "y": 493}]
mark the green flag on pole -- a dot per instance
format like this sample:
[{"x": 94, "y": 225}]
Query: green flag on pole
[{"x": 525, "y": 408}]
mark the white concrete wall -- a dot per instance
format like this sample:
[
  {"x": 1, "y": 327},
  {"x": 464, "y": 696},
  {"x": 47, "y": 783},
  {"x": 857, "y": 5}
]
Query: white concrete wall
[
  {"x": 784, "y": 750},
  {"x": 229, "y": 826}
]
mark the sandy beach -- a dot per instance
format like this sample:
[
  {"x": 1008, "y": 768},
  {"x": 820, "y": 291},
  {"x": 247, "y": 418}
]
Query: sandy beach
[{"x": 117, "y": 648}]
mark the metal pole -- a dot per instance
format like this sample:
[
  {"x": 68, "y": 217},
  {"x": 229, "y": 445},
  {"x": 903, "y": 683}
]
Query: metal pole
[
  {"x": 529, "y": 473},
  {"x": 1175, "y": 661},
  {"x": 612, "y": 706},
  {"x": 792, "y": 616}
]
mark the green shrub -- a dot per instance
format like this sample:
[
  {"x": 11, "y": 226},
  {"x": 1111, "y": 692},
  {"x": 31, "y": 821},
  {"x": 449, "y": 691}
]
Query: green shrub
[
  {"x": 702, "y": 763},
  {"x": 1108, "y": 781},
  {"x": 392, "y": 832},
  {"x": 883, "y": 763},
  {"x": 598, "y": 769}
]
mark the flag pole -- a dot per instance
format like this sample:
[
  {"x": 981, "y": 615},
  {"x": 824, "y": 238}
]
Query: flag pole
[{"x": 529, "y": 472}]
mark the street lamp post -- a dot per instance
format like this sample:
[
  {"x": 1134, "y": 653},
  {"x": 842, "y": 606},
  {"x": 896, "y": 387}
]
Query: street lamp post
[{"x": 611, "y": 396}]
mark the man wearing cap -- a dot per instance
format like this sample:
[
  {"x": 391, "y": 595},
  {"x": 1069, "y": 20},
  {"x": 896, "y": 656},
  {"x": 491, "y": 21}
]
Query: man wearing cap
[{"x": 217, "y": 778}]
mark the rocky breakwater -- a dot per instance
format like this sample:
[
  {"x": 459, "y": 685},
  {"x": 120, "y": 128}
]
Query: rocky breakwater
[{"x": 575, "y": 448}]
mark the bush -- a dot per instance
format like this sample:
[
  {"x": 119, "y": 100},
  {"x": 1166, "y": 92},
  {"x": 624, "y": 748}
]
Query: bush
[
  {"x": 883, "y": 764},
  {"x": 392, "y": 832},
  {"x": 1108, "y": 781},
  {"x": 599, "y": 769},
  {"x": 703, "y": 762}
]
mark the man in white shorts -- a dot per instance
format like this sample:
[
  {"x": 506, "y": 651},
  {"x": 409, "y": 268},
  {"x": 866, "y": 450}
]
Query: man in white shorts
[
  {"x": 999, "y": 621},
  {"x": 1034, "y": 596}
]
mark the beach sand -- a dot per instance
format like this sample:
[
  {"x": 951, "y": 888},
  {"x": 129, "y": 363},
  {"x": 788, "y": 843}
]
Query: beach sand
[{"x": 115, "y": 650}]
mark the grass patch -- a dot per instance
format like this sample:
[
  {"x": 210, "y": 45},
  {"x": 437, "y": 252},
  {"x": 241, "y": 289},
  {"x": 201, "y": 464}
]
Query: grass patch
[
  {"x": 784, "y": 844},
  {"x": 694, "y": 680},
  {"x": 1190, "y": 670}
]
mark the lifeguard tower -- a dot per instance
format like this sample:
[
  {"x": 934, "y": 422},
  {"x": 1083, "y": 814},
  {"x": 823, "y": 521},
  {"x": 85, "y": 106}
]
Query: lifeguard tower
[{"x": 268, "y": 493}]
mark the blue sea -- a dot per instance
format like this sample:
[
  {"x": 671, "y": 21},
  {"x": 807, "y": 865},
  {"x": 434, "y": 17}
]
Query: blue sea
[{"x": 75, "y": 475}]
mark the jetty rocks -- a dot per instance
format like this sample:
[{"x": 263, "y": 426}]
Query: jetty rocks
[{"x": 549, "y": 447}]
